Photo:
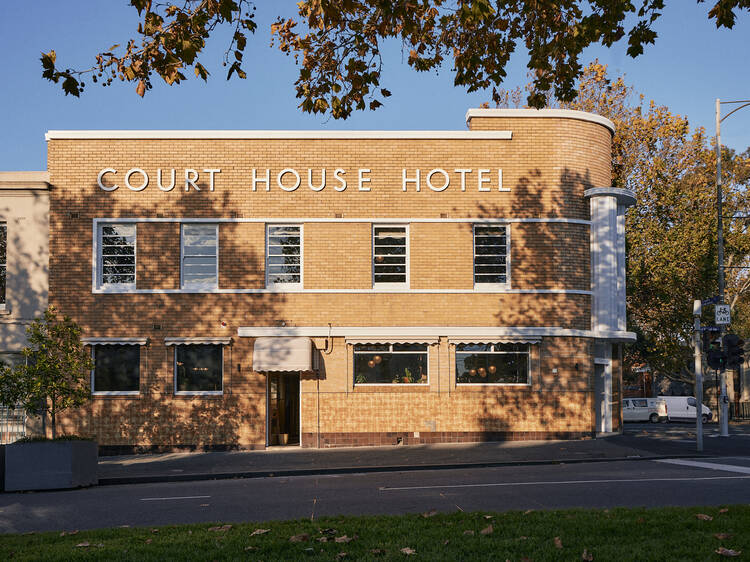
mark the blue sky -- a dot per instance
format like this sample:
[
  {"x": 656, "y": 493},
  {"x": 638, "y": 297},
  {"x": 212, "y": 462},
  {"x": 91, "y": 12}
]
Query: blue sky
[{"x": 690, "y": 65}]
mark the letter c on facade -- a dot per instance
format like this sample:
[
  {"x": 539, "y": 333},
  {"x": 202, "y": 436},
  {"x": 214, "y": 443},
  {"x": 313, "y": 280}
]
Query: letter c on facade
[{"x": 100, "y": 177}]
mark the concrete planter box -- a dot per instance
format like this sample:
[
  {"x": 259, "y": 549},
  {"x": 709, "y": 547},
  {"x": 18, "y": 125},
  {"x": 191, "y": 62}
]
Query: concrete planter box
[{"x": 49, "y": 465}]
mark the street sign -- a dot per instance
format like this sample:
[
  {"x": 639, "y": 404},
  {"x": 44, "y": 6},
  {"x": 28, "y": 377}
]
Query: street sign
[
  {"x": 710, "y": 300},
  {"x": 722, "y": 315},
  {"x": 710, "y": 329}
]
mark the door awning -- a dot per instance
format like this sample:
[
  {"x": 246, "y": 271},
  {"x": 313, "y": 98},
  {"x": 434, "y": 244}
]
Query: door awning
[{"x": 282, "y": 354}]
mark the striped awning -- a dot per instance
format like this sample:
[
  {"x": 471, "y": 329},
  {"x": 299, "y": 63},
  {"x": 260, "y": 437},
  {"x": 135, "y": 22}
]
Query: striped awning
[
  {"x": 282, "y": 354},
  {"x": 114, "y": 341},
  {"x": 381, "y": 340},
  {"x": 485, "y": 340},
  {"x": 197, "y": 341}
]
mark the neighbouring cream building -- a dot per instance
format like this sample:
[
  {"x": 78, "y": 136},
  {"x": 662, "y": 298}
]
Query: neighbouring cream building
[{"x": 331, "y": 288}]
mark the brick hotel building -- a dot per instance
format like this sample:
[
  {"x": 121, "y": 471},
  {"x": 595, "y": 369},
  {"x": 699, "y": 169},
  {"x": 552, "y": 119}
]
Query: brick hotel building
[{"x": 256, "y": 288}]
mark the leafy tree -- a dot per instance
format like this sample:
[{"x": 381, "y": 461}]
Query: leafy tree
[
  {"x": 671, "y": 230},
  {"x": 55, "y": 375},
  {"x": 338, "y": 45}
]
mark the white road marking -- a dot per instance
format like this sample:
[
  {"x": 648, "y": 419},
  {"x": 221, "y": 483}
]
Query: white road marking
[
  {"x": 174, "y": 498},
  {"x": 709, "y": 465},
  {"x": 557, "y": 483}
]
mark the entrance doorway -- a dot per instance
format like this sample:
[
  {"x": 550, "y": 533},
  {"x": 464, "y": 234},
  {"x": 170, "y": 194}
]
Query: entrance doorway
[{"x": 283, "y": 408}]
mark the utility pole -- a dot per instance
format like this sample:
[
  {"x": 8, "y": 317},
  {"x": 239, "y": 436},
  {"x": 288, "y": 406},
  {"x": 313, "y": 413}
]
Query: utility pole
[
  {"x": 698, "y": 375},
  {"x": 724, "y": 405}
]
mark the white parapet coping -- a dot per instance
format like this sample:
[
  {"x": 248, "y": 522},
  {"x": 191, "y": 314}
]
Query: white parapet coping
[
  {"x": 278, "y": 135},
  {"x": 542, "y": 113}
]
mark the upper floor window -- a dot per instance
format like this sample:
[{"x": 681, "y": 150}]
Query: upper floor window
[
  {"x": 3, "y": 261},
  {"x": 284, "y": 256},
  {"x": 491, "y": 254},
  {"x": 492, "y": 363},
  {"x": 390, "y": 255},
  {"x": 116, "y": 255},
  {"x": 116, "y": 369},
  {"x": 200, "y": 262}
]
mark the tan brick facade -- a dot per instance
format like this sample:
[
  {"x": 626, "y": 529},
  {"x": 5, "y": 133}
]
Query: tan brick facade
[{"x": 546, "y": 167}]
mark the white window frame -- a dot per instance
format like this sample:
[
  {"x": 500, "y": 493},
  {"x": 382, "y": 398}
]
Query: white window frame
[
  {"x": 114, "y": 287},
  {"x": 193, "y": 286},
  {"x": 284, "y": 287},
  {"x": 515, "y": 384},
  {"x": 95, "y": 392},
  {"x": 490, "y": 286},
  {"x": 405, "y": 284},
  {"x": 391, "y": 352},
  {"x": 4, "y": 266},
  {"x": 197, "y": 392}
]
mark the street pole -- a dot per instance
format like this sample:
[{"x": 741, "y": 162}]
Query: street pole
[
  {"x": 723, "y": 402},
  {"x": 698, "y": 375}
]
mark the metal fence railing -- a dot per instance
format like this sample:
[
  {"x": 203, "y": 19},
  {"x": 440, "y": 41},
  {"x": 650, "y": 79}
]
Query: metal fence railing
[
  {"x": 739, "y": 410},
  {"x": 12, "y": 424}
]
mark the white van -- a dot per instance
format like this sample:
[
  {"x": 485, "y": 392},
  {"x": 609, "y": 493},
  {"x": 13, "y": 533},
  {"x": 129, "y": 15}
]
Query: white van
[
  {"x": 644, "y": 409},
  {"x": 683, "y": 408}
]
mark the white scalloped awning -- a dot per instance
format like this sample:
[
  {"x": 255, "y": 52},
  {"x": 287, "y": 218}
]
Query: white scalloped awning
[
  {"x": 378, "y": 340},
  {"x": 282, "y": 354},
  {"x": 114, "y": 341},
  {"x": 197, "y": 341},
  {"x": 490, "y": 339}
]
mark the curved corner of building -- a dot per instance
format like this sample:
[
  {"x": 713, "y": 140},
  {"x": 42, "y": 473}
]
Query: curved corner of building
[{"x": 481, "y": 113}]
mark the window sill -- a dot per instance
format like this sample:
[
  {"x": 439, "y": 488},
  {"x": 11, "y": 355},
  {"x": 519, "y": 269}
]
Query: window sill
[
  {"x": 123, "y": 394},
  {"x": 468, "y": 386},
  {"x": 206, "y": 394},
  {"x": 399, "y": 387}
]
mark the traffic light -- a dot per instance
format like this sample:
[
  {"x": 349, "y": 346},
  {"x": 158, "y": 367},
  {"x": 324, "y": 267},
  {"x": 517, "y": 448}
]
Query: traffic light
[
  {"x": 734, "y": 348},
  {"x": 716, "y": 357}
]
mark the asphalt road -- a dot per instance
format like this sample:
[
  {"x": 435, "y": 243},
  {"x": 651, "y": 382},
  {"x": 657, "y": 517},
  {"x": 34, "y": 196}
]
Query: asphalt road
[{"x": 682, "y": 482}]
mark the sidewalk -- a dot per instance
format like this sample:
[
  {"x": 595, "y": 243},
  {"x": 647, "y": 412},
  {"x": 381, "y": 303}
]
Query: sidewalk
[{"x": 296, "y": 462}]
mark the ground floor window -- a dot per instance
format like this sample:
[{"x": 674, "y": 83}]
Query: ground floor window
[
  {"x": 198, "y": 369},
  {"x": 390, "y": 364},
  {"x": 116, "y": 369},
  {"x": 494, "y": 363}
]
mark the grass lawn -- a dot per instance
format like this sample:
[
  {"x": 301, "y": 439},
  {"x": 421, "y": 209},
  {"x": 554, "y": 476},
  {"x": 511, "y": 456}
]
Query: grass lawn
[{"x": 616, "y": 534}]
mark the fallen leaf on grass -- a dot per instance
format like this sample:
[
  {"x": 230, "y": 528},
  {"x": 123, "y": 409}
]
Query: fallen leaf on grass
[
  {"x": 522, "y": 538},
  {"x": 489, "y": 516},
  {"x": 723, "y": 510},
  {"x": 323, "y": 539},
  {"x": 728, "y": 552},
  {"x": 343, "y": 538},
  {"x": 68, "y": 533},
  {"x": 377, "y": 551},
  {"x": 408, "y": 551},
  {"x": 154, "y": 530},
  {"x": 251, "y": 548},
  {"x": 341, "y": 555},
  {"x": 304, "y": 537},
  {"x": 82, "y": 545},
  {"x": 259, "y": 532},
  {"x": 723, "y": 536},
  {"x": 487, "y": 530},
  {"x": 149, "y": 541},
  {"x": 328, "y": 531},
  {"x": 587, "y": 556},
  {"x": 468, "y": 532},
  {"x": 220, "y": 529},
  {"x": 430, "y": 513},
  {"x": 445, "y": 542},
  {"x": 528, "y": 511},
  {"x": 558, "y": 542},
  {"x": 703, "y": 517}
]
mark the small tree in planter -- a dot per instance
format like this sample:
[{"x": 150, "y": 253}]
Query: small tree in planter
[{"x": 56, "y": 373}]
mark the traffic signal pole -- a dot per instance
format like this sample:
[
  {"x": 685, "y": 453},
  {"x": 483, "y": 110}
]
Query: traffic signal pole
[
  {"x": 698, "y": 375},
  {"x": 724, "y": 401}
]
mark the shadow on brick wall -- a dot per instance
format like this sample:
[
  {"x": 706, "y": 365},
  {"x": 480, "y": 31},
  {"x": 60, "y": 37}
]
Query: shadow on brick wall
[{"x": 157, "y": 418}]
